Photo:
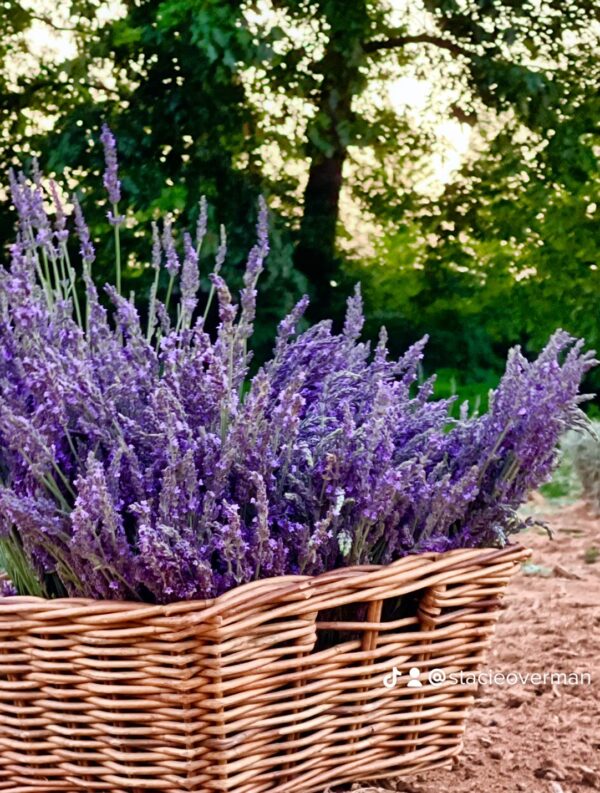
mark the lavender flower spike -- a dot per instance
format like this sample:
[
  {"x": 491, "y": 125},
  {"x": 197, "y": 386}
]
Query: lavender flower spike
[
  {"x": 7, "y": 589},
  {"x": 172, "y": 260},
  {"x": 190, "y": 280},
  {"x": 86, "y": 250},
  {"x": 113, "y": 188},
  {"x": 61, "y": 232},
  {"x": 202, "y": 223},
  {"x": 156, "y": 248},
  {"x": 111, "y": 177}
]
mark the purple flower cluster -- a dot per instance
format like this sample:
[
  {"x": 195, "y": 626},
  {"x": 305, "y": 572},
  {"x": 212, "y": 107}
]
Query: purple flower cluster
[
  {"x": 112, "y": 182},
  {"x": 138, "y": 460}
]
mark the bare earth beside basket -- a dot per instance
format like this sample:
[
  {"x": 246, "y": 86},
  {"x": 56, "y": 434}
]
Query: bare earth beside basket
[
  {"x": 535, "y": 738},
  {"x": 242, "y": 693}
]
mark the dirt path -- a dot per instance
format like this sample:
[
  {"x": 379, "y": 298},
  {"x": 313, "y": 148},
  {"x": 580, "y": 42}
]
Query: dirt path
[{"x": 538, "y": 738}]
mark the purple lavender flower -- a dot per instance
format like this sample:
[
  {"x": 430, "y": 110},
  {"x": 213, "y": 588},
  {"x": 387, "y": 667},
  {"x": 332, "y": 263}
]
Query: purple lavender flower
[
  {"x": 156, "y": 248},
  {"x": 61, "y": 233},
  {"x": 146, "y": 464},
  {"x": 111, "y": 173},
  {"x": 99, "y": 550},
  {"x": 7, "y": 588},
  {"x": 202, "y": 223},
  {"x": 221, "y": 250},
  {"x": 86, "y": 250},
  {"x": 190, "y": 278},
  {"x": 172, "y": 260},
  {"x": 17, "y": 196},
  {"x": 354, "y": 315},
  {"x": 254, "y": 268}
]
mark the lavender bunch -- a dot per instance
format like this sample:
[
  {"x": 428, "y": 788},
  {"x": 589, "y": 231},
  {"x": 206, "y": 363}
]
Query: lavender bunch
[{"x": 139, "y": 461}]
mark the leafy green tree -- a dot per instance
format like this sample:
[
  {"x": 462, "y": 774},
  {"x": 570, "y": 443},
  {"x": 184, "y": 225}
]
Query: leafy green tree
[
  {"x": 166, "y": 78},
  {"x": 219, "y": 97},
  {"x": 497, "y": 55},
  {"x": 507, "y": 253}
]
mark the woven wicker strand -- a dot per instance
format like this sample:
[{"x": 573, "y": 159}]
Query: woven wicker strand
[{"x": 242, "y": 693}]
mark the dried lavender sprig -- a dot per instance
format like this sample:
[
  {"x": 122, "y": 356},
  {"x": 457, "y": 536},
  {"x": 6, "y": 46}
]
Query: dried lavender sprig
[
  {"x": 40, "y": 225},
  {"x": 62, "y": 235},
  {"x": 113, "y": 188},
  {"x": 156, "y": 262},
  {"x": 172, "y": 263},
  {"x": 190, "y": 283},
  {"x": 202, "y": 224},
  {"x": 86, "y": 250},
  {"x": 136, "y": 473},
  {"x": 111, "y": 173},
  {"x": 219, "y": 261}
]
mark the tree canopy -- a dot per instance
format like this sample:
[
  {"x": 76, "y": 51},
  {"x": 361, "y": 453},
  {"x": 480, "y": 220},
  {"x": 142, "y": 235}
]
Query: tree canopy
[{"x": 292, "y": 98}]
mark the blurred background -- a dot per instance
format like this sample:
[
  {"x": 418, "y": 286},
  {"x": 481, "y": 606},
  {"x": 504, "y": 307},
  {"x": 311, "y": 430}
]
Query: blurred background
[{"x": 444, "y": 154}]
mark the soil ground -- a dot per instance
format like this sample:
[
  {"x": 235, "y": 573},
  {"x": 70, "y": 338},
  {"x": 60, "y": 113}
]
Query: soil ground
[{"x": 537, "y": 738}]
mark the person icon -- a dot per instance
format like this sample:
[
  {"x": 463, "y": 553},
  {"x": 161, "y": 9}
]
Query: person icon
[{"x": 413, "y": 674}]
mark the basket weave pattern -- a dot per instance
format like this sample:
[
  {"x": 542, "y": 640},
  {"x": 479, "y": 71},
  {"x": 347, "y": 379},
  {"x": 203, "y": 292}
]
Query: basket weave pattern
[{"x": 242, "y": 693}]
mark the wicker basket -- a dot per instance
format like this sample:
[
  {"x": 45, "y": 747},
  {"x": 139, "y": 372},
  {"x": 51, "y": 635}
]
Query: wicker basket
[{"x": 279, "y": 685}]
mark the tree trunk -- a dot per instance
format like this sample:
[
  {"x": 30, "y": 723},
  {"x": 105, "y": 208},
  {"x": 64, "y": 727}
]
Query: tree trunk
[
  {"x": 315, "y": 253},
  {"x": 329, "y": 134}
]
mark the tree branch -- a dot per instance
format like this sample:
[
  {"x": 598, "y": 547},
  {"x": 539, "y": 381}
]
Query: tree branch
[
  {"x": 59, "y": 28},
  {"x": 395, "y": 42}
]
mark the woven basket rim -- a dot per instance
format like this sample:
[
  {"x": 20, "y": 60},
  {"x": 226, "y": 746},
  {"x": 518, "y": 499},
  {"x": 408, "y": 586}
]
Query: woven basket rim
[
  {"x": 289, "y": 587},
  {"x": 236, "y": 693}
]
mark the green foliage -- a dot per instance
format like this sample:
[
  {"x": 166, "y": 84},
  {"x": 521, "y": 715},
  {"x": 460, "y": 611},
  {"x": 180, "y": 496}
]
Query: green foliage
[
  {"x": 217, "y": 97},
  {"x": 591, "y": 555},
  {"x": 584, "y": 450},
  {"x": 578, "y": 474},
  {"x": 179, "y": 112},
  {"x": 14, "y": 562},
  {"x": 508, "y": 252},
  {"x": 565, "y": 487},
  {"x": 466, "y": 388}
]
